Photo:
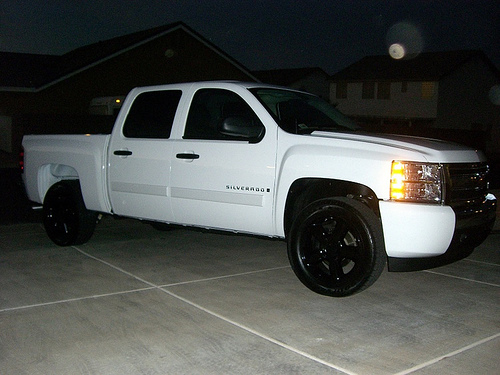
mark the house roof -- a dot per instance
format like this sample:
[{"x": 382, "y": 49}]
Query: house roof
[
  {"x": 426, "y": 66},
  {"x": 285, "y": 77},
  {"x": 24, "y": 69},
  {"x": 31, "y": 71}
]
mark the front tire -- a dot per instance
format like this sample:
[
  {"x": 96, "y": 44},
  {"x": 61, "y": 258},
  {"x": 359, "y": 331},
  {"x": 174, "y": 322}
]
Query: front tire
[
  {"x": 65, "y": 218},
  {"x": 336, "y": 247}
]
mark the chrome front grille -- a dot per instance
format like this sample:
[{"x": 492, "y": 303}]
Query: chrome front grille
[{"x": 466, "y": 186}]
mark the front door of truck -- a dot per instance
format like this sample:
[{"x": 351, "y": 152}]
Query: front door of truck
[
  {"x": 139, "y": 157},
  {"x": 223, "y": 168}
]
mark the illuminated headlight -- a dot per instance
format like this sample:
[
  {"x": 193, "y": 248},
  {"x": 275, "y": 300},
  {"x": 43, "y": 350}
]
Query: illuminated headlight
[{"x": 416, "y": 182}]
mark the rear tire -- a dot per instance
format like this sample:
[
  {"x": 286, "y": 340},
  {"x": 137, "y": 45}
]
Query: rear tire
[
  {"x": 65, "y": 218},
  {"x": 336, "y": 247}
]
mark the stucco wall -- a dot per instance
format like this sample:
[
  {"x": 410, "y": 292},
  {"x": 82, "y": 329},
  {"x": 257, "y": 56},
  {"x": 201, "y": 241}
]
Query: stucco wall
[{"x": 409, "y": 104}]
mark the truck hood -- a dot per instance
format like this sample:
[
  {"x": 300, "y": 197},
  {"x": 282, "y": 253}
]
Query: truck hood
[{"x": 433, "y": 150}]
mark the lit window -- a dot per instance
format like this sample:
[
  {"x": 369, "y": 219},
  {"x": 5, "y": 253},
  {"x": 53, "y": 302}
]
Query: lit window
[{"x": 427, "y": 90}]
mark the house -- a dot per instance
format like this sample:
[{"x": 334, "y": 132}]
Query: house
[
  {"x": 313, "y": 80},
  {"x": 440, "y": 94},
  {"x": 47, "y": 94}
]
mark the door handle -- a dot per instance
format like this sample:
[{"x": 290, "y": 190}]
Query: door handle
[
  {"x": 187, "y": 156},
  {"x": 122, "y": 152}
]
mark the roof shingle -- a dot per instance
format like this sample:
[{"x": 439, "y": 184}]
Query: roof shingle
[{"x": 26, "y": 70}]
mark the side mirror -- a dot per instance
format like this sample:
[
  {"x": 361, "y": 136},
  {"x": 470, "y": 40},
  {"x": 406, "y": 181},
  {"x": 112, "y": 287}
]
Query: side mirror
[{"x": 243, "y": 128}]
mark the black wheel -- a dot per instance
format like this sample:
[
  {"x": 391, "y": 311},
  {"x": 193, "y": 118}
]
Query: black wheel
[
  {"x": 336, "y": 247},
  {"x": 66, "y": 220}
]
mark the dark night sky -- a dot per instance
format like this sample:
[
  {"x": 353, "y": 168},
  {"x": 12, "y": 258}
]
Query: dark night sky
[{"x": 262, "y": 34}]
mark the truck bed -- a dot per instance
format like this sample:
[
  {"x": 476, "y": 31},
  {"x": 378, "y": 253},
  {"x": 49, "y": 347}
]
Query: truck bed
[{"x": 80, "y": 157}]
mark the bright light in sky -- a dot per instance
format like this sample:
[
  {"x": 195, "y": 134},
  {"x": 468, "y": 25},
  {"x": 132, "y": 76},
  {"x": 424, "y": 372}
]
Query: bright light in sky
[
  {"x": 397, "y": 51},
  {"x": 324, "y": 33},
  {"x": 404, "y": 40}
]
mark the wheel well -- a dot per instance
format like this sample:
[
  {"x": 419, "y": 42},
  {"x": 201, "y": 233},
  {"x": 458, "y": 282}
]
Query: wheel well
[
  {"x": 307, "y": 190},
  {"x": 50, "y": 174}
]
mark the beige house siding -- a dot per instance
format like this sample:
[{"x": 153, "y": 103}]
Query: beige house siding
[{"x": 408, "y": 104}]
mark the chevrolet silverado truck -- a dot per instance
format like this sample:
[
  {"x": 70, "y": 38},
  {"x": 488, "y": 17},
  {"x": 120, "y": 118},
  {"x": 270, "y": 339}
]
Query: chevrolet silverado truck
[{"x": 268, "y": 161}]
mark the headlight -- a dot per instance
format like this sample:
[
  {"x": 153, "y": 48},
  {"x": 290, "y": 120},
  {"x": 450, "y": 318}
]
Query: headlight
[{"x": 416, "y": 182}]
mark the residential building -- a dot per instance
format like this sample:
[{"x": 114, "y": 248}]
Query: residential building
[
  {"x": 313, "y": 80},
  {"x": 53, "y": 94},
  {"x": 448, "y": 95}
]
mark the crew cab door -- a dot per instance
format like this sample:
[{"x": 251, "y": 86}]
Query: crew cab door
[
  {"x": 223, "y": 168},
  {"x": 139, "y": 157}
]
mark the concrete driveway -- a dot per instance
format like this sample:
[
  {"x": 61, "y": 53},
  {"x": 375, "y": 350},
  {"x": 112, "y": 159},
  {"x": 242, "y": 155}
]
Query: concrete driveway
[{"x": 139, "y": 301}]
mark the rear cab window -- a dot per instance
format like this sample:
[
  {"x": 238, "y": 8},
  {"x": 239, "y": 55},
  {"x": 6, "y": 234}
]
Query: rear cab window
[{"x": 152, "y": 114}]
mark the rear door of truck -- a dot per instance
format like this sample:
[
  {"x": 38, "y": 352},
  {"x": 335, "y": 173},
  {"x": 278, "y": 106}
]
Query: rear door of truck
[{"x": 139, "y": 157}]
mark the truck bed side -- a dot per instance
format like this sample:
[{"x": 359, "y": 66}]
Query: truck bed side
[{"x": 52, "y": 158}]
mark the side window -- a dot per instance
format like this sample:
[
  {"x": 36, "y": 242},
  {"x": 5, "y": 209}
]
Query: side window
[
  {"x": 222, "y": 115},
  {"x": 152, "y": 114},
  {"x": 368, "y": 90}
]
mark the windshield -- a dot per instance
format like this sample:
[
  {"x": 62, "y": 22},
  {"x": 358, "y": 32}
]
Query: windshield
[{"x": 301, "y": 113}]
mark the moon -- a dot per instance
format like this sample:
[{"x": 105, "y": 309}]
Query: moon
[{"x": 397, "y": 51}]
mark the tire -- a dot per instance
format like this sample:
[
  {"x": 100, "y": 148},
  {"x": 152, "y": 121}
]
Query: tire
[
  {"x": 336, "y": 247},
  {"x": 65, "y": 218}
]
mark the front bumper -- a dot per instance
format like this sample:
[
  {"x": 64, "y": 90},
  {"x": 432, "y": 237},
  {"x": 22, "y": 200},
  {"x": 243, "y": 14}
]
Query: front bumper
[{"x": 471, "y": 229}]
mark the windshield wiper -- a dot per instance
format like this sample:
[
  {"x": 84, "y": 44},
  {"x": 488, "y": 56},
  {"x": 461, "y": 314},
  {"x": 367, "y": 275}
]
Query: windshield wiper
[{"x": 310, "y": 129}]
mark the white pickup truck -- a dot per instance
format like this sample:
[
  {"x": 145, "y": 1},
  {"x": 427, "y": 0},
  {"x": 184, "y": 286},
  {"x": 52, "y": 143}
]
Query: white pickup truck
[{"x": 268, "y": 161}]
